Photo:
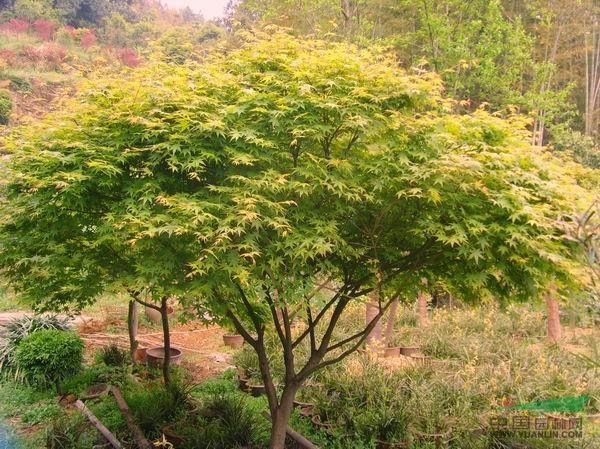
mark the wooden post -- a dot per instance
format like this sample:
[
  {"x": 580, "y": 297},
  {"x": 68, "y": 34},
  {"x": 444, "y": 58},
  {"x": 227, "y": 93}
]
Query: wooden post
[{"x": 98, "y": 425}]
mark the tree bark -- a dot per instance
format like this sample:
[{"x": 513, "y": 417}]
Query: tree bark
[
  {"x": 422, "y": 312},
  {"x": 132, "y": 327},
  {"x": 554, "y": 329},
  {"x": 164, "y": 312},
  {"x": 302, "y": 441},
  {"x": 391, "y": 322},
  {"x": 372, "y": 309},
  {"x": 281, "y": 416}
]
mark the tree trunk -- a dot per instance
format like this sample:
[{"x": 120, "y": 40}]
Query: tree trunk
[
  {"x": 391, "y": 322},
  {"x": 554, "y": 330},
  {"x": 164, "y": 312},
  {"x": 422, "y": 313},
  {"x": 280, "y": 418},
  {"x": 372, "y": 310},
  {"x": 132, "y": 327}
]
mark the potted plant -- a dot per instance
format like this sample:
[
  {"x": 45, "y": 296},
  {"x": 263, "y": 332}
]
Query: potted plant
[
  {"x": 410, "y": 351},
  {"x": 140, "y": 355},
  {"x": 404, "y": 343},
  {"x": 393, "y": 351},
  {"x": 155, "y": 356}
]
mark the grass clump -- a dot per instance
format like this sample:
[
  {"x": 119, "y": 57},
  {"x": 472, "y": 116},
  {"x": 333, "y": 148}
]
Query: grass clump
[{"x": 112, "y": 355}]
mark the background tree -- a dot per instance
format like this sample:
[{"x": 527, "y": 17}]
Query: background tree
[{"x": 245, "y": 184}]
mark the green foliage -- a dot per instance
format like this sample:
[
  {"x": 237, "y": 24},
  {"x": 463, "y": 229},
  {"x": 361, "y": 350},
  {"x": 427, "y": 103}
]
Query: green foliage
[
  {"x": 48, "y": 356},
  {"x": 155, "y": 406},
  {"x": 42, "y": 413},
  {"x": 175, "y": 47},
  {"x": 231, "y": 424},
  {"x": 112, "y": 355},
  {"x": 581, "y": 147},
  {"x": 106, "y": 410},
  {"x": 15, "y": 331},
  {"x": 34, "y": 9},
  {"x": 241, "y": 186},
  {"x": 18, "y": 83},
  {"x": 65, "y": 433},
  {"x": 16, "y": 399},
  {"x": 6, "y": 106}
]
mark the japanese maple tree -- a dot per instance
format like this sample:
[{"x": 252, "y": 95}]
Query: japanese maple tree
[{"x": 245, "y": 184}]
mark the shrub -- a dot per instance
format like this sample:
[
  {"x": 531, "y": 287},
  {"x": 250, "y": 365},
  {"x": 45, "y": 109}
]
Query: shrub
[
  {"x": 6, "y": 105},
  {"x": 17, "y": 330},
  {"x": 44, "y": 28},
  {"x": 128, "y": 57},
  {"x": 48, "y": 356},
  {"x": 112, "y": 355},
  {"x": 16, "y": 26},
  {"x": 48, "y": 55},
  {"x": 156, "y": 405},
  {"x": 8, "y": 56},
  {"x": 17, "y": 82},
  {"x": 232, "y": 424},
  {"x": 88, "y": 39}
]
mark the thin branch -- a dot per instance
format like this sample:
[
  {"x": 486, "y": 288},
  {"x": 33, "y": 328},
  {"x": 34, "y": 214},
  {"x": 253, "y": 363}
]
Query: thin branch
[
  {"x": 319, "y": 316},
  {"x": 251, "y": 312}
]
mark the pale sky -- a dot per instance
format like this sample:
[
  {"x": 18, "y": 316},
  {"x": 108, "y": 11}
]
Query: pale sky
[{"x": 210, "y": 9}]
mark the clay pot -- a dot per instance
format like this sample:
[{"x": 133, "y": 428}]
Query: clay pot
[
  {"x": 409, "y": 350},
  {"x": 391, "y": 352},
  {"x": 172, "y": 437},
  {"x": 140, "y": 355},
  {"x": 155, "y": 356},
  {"x": 389, "y": 445},
  {"x": 154, "y": 316},
  {"x": 257, "y": 390},
  {"x": 233, "y": 340}
]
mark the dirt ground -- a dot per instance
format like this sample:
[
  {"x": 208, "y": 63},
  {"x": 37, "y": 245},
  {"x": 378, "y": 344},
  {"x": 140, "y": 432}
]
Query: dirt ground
[{"x": 204, "y": 353}]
